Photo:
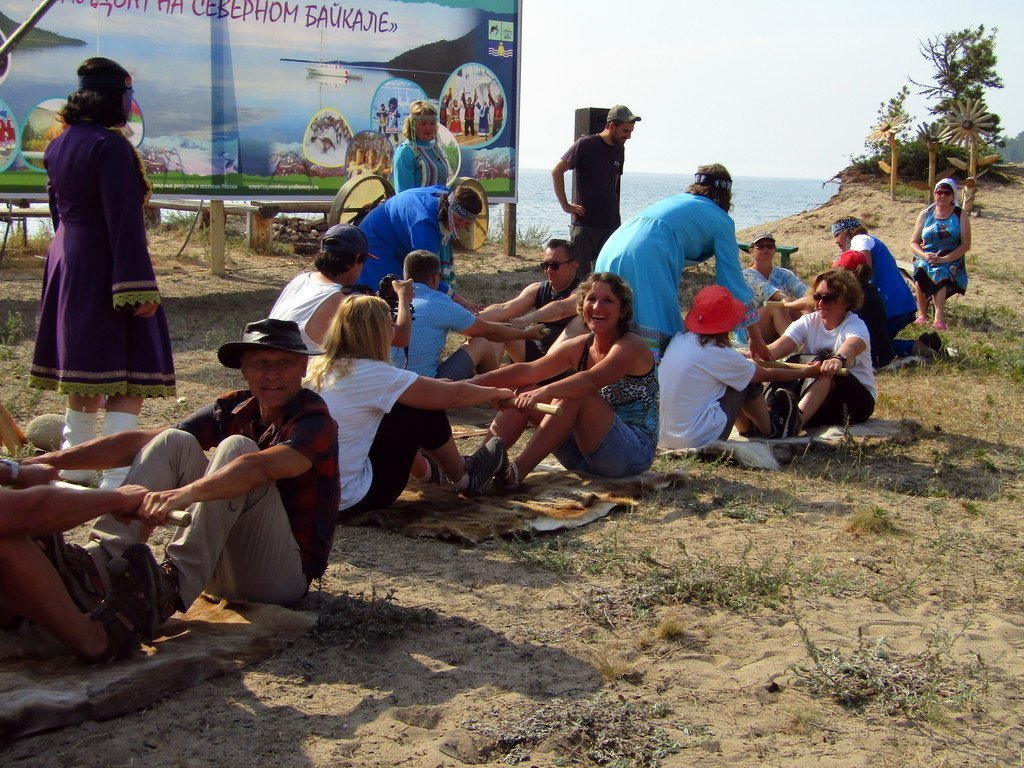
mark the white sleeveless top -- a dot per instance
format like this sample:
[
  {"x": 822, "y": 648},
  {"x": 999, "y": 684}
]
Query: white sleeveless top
[{"x": 300, "y": 299}]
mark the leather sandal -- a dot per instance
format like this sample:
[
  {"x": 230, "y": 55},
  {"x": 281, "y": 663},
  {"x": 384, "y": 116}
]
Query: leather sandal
[
  {"x": 76, "y": 569},
  {"x": 131, "y": 607}
]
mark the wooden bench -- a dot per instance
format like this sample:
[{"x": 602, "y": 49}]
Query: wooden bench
[{"x": 785, "y": 251}]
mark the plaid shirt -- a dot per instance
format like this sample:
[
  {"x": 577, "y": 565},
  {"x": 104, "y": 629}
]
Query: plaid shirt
[{"x": 311, "y": 499}]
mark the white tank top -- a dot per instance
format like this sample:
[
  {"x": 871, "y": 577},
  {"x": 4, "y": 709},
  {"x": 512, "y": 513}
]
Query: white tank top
[{"x": 300, "y": 299}]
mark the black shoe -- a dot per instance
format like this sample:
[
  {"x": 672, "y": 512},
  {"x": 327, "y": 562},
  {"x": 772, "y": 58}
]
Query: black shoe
[
  {"x": 131, "y": 608},
  {"x": 168, "y": 600},
  {"x": 483, "y": 465},
  {"x": 783, "y": 414}
]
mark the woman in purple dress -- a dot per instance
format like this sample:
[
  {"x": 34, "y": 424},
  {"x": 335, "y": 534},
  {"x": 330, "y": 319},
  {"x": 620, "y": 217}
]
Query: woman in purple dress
[{"x": 102, "y": 338}]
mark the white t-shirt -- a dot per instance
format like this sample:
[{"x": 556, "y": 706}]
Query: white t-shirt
[
  {"x": 810, "y": 333},
  {"x": 862, "y": 243},
  {"x": 692, "y": 378},
  {"x": 357, "y": 403},
  {"x": 300, "y": 299}
]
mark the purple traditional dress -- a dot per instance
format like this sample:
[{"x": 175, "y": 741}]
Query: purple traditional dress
[{"x": 89, "y": 342}]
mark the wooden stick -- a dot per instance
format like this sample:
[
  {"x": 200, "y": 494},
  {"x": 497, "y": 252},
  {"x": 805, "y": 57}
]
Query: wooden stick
[
  {"x": 10, "y": 432},
  {"x": 179, "y": 518},
  {"x": 541, "y": 407},
  {"x": 795, "y": 366}
]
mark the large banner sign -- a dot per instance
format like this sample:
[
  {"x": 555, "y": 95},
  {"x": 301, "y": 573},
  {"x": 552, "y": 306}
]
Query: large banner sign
[{"x": 271, "y": 99}]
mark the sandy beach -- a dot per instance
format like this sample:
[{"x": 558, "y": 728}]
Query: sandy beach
[{"x": 863, "y": 607}]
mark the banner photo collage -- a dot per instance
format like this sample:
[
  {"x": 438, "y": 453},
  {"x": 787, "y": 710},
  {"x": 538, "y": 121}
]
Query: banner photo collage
[{"x": 271, "y": 99}]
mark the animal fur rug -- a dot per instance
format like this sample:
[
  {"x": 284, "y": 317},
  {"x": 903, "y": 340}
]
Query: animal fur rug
[
  {"x": 772, "y": 455},
  {"x": 550, "y": 499},
  {"x": 43, "y": 687}
]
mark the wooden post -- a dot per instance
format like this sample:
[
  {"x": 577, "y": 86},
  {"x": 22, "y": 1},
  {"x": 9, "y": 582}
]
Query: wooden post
[
  {"x": 970, "y": 190},
  {"x": 259, "y": 231},
  {"x": 217, "y": 220},
  {"x": 933, "y": 152},
  {"x": 510, "y": 229},
  {"x": 892, "y": 168}
]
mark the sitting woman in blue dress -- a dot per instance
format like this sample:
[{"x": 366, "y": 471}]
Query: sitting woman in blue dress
[{"x": 942, "y": 237}]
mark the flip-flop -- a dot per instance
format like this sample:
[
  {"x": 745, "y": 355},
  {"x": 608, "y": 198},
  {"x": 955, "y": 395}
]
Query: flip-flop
[
  {"x": 919, "y": 320},
  {"x": 938, "y": 325}
]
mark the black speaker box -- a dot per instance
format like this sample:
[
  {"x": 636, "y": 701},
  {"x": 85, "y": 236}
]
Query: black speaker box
[{"x": 590, "y": 120}]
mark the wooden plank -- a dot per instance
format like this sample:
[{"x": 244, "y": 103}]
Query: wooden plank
[
  {"x": 217, "y": 237},
  {"x": 510, "y": 229},
  {"x": 259, "y": 232},
  {"x": 10, "y": 432}
]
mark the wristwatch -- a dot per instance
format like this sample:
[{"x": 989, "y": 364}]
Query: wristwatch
[
  {"x": 15, "y": 469},
  {"x": 840, "y": 358}
]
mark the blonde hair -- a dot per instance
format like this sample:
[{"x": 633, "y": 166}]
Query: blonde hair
[
  {"x": 417, "y": 109},
  {"x": 359, "y": 330}
]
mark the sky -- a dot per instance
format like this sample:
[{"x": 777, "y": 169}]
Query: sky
[{"x": 779, "y": 89}]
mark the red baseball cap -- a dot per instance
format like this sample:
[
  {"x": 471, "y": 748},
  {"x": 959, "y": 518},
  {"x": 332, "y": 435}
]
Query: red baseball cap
[
  {"x": 850, "y": 260},
  {"x": 714, "y": 310}
]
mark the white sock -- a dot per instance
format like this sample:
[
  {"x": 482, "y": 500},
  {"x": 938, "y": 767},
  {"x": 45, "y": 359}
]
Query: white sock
[
  {"x": 463, "y": 483},
  {"x": 79, "y": 427},
  {"x": 114, "y": 422}
]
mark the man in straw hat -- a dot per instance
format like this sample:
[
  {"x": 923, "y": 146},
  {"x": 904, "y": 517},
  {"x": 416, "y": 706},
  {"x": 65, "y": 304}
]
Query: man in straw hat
[{"x": 265, "y": 504}]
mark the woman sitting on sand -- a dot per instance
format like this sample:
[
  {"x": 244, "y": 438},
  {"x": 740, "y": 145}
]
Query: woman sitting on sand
[
  {"x": 942, "y": 237},
  {"x": 707, "y": 386},
  {"x": 840, "y": 339},
  {"x": 385, "y": 415},
  {"x": 608, "y": 424}
]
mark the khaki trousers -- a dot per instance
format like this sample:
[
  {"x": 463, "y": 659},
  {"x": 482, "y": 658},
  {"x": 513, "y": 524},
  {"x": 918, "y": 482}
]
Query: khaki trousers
[{"x": 240, "y": 548}]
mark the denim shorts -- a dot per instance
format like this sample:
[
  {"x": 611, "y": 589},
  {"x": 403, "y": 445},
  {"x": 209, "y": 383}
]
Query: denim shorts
[{"x": 624, "y": 451}]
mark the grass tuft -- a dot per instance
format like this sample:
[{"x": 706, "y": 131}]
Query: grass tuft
[
  {"x": 920, "y": 686},
  {"x": 876, "y": 520},
  {"x": 347, "y": 621}
]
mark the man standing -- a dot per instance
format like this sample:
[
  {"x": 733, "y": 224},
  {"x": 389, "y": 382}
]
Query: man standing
[
  {"x": 264, "y": 506},
  {"x": 596, "y": 162},
  {"x": 551, "y": 301}
]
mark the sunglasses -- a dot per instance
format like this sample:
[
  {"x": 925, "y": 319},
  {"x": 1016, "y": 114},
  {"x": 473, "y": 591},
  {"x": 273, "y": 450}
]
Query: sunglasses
[
  {"x": 553, "y": 265},
  {"x": 825, "y": 298},
  {"x": 764, "y": 245},
  {"x": 943, "y": 192}
]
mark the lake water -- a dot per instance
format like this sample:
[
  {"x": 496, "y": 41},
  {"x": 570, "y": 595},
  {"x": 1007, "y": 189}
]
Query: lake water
[{"x": 755, "y": 200}]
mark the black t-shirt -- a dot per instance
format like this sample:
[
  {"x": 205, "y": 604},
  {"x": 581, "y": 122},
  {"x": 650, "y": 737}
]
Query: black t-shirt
[
  {"x": 597, "y": 167},
  {"x": 873, "y": 315},
  {"x": 545, "y": 295}
]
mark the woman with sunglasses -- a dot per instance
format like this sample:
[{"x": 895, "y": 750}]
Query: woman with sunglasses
[
  {"x": 840, "y": 340},
  {"x": 608, "y": 422},
  {"x": 942, "y": 237},
  {"x": 386, "y": 414},
  {"x": 102, "y": 335},
  {"x": 420, "y": 161}
]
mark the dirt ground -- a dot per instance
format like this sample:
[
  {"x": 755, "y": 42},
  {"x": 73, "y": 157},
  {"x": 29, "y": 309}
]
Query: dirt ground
[{"x": 863, "y": 607}]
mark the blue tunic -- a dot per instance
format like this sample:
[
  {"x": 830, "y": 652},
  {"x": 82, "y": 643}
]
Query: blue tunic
[
  {"x": 941, "y": 236},
  {"x": 651, "y": 250},
  {"x": 406, "y": 222},
  {"x": 409, "y": 165}
]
